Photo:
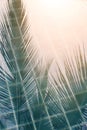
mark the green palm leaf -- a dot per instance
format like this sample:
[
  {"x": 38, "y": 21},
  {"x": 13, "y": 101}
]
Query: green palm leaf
[
  {"x": 20, "y": 84},
  {"x": 33, "y": 96},
  {"x": 69, "y": 89}
]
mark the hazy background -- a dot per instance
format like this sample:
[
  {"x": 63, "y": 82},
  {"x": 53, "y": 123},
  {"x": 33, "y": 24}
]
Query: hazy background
[{"x": 58, "y": 25}]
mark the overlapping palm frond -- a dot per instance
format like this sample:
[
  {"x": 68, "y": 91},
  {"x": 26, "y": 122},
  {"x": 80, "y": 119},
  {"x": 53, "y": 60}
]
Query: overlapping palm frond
[{"x": 32, "y": 96}]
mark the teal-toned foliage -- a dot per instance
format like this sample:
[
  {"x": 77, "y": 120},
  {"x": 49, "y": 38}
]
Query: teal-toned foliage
[{"x": 32, "y": 97}]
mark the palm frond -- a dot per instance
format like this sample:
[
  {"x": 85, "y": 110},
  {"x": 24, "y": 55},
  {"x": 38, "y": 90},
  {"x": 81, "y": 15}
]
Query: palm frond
[
  {"x": 69, "y": 89},
  {"x": 32, "y": 96},
  {"x": 21, "y": 91},
  {"x": 13, "y": 50}
]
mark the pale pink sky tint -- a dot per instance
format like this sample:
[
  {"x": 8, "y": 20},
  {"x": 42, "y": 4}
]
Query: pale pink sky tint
[{"x": 58, "y": 25}]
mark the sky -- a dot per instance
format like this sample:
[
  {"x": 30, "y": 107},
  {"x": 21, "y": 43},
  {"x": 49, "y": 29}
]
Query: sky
[{"x": 58, "y": 25}]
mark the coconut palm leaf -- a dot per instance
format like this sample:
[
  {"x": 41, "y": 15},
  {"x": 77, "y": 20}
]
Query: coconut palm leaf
[
  {"x": 20, "y": 89},
  {"x": 69, "y": 91},
  {"x": 16, "y": 107},
  {"x": 33, "y": 96}
]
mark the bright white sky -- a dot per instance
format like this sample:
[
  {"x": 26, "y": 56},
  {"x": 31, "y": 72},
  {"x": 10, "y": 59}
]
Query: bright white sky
[{"x": 58, "y": 24}]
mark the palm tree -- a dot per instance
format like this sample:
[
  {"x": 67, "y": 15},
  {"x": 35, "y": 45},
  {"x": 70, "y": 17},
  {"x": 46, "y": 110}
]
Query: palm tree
[{"x": 32, "y": 97}]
